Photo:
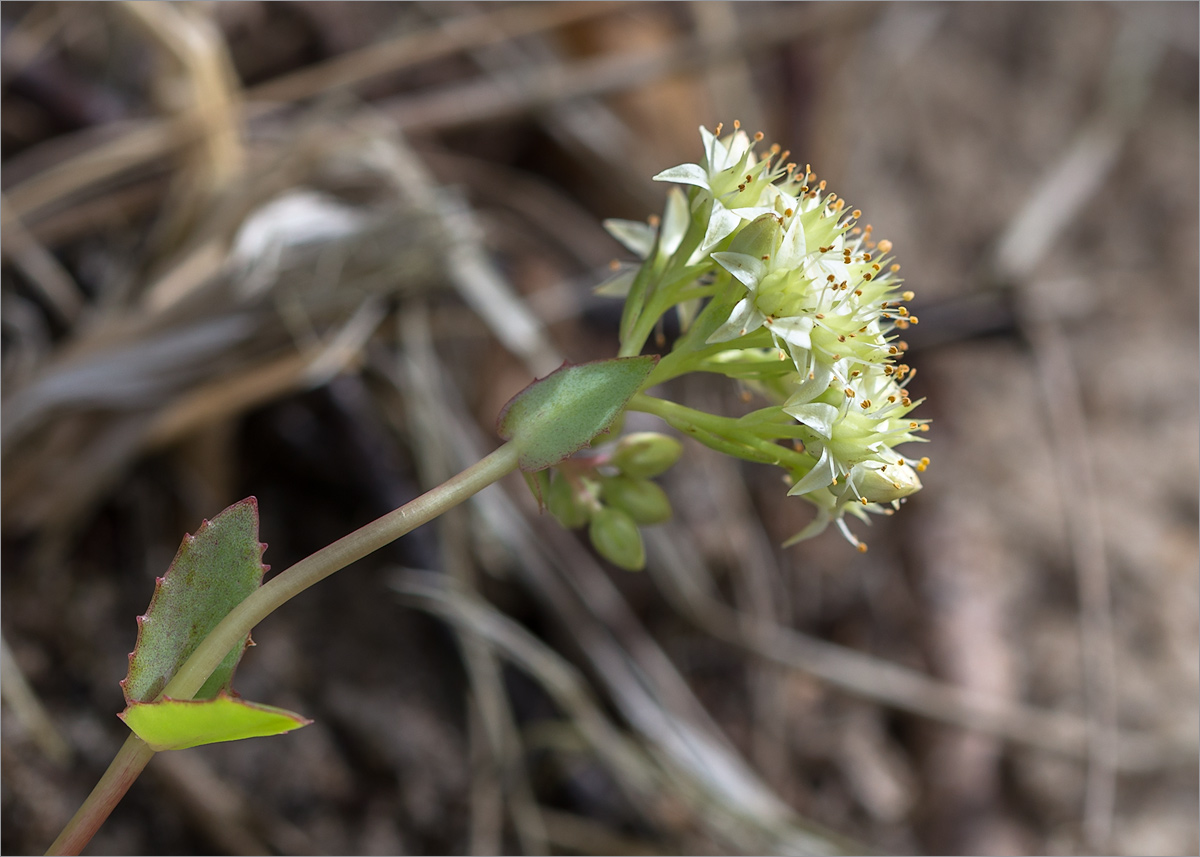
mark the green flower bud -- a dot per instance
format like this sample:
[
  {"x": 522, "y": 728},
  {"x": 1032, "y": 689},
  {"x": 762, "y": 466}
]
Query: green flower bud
[
  {"x": 565, "y": 503},
  {"x": 644, "y": 501},
  {"x": 646, "y": 454},
  {"x": 616, "y": 538},
  {"x": 760, "y": 238},
  {"x": 884, "y": 483}
]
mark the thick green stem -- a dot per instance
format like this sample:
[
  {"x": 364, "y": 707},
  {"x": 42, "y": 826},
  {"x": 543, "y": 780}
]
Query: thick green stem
[
  {"x": 664, "y": 294},
  {"x": 134, "y": 755},
  {"x": 723, "y": 434}
]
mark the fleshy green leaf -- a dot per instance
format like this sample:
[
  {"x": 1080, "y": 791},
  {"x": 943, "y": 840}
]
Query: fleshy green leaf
[
  {"x": 176, "y": 724},
  {"x": 211, "y": 574},
  {"x": 561, "y": 413}
]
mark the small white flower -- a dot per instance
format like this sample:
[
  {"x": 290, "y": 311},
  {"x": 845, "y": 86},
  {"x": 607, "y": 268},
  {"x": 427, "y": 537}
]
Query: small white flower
[
  {"x": 771, "y": 272},
  {"x": 855, "y": 430},
  {"x": 739, "y": 185}
]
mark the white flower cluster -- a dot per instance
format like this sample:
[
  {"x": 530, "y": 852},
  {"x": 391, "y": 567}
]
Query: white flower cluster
[{"x": 828, "y": 295}]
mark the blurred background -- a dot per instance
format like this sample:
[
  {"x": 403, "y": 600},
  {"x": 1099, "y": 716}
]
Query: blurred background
[{"x": 306, "y": 251}]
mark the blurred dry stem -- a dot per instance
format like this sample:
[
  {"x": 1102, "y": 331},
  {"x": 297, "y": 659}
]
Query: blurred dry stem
[
  {"x": 1076, "y": 179},
  {"x": 319, "y": 286}
]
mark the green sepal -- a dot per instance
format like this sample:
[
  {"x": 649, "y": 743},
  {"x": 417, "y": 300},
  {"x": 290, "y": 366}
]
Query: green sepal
[
  {"x": 176, "y": 724},
  {"x": 559, "y": 414},
  {"x": 539, "y": 485}
]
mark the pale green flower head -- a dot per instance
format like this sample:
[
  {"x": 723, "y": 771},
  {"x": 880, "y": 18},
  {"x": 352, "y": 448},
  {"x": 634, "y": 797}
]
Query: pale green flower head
[{"x": 795, "y": 301}]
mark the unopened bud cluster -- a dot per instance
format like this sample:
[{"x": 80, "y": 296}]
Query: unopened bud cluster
[
  {"x": 612, "y": 495},
  {"x": 779, "y": 285}
]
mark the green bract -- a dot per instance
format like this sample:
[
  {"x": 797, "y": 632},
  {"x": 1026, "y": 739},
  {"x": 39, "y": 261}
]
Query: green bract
[
  {"x": 177, "y": 724},
  {"x": 561, "y": 413}
]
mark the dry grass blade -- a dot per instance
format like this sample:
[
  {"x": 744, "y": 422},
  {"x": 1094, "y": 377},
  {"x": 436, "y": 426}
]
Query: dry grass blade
[
  {"x": 419, "y": 374},
  {"x": 1075, "y": 180},
  {"x": 146, "y": 141},
  {"x": 471, "y": 270},
  {"x": 215, "y": 329},
  {"x": 29, "y": 711},
  {"x": 890, "y": 684},
  {"x": 458, "y": 34},
  {"x": 55, "y": 284},
  {"x": 534, "y": 88}
]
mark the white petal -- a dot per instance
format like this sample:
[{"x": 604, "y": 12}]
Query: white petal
[
  {"x": 850, "y": 537},
  {"x": 794, "y": 246},
  {"x": 637, "y": 237},
  {"x": 824, "y": 265},
  {"x": 782, "y": 198},
  {"x": 812, "y": 387},
  {"x": 676, "y": 219},
  {"x": 817, "y": 416},
  {"x": 814, "y": 528},
  {"x": 617, "y": 286},
  {"x": 746, "y": 269},
  {"x": 744, "y": 319},
  {"x": 739, "y": 144},
  {"x": 750, "y": 212},
  {"x": 794, "y": 330},
  {"x": 685, "y": 174},
  {"x": 712, "y": 149},
  {"x": 721, "y": 224},
  {"x": 819, "y": 477}
]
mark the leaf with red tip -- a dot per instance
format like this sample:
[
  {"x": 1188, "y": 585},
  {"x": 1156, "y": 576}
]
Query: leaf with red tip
[{"x": 211, "y": 574}]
